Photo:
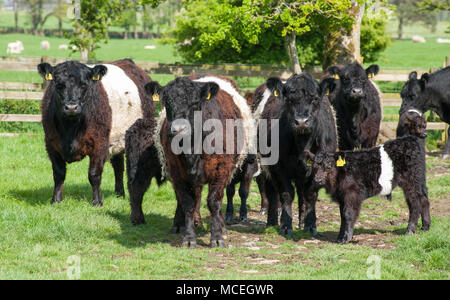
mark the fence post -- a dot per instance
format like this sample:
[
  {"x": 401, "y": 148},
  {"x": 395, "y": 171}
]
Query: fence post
[{"x": 447, "y": 61}]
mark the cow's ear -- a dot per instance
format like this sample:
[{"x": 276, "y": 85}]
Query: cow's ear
[
  {"x": 46, "y": 71},
  {"x": 334, "y": 71},
  {"x": 327, "y": 86},
  {"x": 309, "y": 155},
  {"x": 208, "y": 91},
  {"x": 339, "y": 157},
  {"x": 425, "y": 77},
  {"x": 412, "y": 75},
  {"x": 372, "y": 71},
  {"x": 153, "y": 89},
  {"x": 98, "y": 72},
  {"x": 275, "y": 85}
]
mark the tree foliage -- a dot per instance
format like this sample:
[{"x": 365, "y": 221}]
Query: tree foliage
[{"x": 91, "y": 24}]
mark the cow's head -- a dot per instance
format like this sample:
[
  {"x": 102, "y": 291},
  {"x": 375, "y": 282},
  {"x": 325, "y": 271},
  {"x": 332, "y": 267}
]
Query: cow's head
[
  {"x": 412, "y": 122},
  {"x": 181, "y": 98},
  {"x": 302, "y": 96},
  {"x": 71, "y": 83},
  {"x": 325, "y": 167},
  {"x": 412, "y": 93},
  {"x": 353, "y": 80}
]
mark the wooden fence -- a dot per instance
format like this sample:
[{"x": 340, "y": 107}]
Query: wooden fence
[{"x": 34, "y": 91}]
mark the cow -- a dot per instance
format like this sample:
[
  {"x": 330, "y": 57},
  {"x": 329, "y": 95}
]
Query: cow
[
  {"x": 216, "y": 98},
  {"x": 356, "y": 101},
  {"x": 86, "y": 111},
  {"x": 430, "y": 92},
  {"x": 306, "y": 122},
  {"x": 350, "y": 177},
  {"x": 412, "y": 122}
]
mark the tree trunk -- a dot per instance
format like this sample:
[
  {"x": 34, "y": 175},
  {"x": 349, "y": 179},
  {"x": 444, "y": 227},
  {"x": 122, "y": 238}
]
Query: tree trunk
[
  {"x": 343, "y": 47},
  {"x": 84, "y": 55},
  {"x": 291, "y": 48},
  {"x": 135, "y": 30},
  {"x": 16, "y": 15},
  {"x": 400, "y": 27},
  {"x": 60, "y": 33}
]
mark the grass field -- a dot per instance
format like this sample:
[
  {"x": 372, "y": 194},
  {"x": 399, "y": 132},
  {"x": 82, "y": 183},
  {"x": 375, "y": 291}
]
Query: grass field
[{"x": 39, "y": 240}]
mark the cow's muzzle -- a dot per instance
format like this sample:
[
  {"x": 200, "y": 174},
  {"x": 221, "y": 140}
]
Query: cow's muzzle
[{"x": 72, "y": 109}]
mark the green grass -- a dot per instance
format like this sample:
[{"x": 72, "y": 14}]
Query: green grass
[{"x": 38, "y": 238}]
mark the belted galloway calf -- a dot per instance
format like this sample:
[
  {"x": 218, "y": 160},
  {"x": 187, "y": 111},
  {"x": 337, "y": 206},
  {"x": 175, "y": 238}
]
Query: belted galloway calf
[{"x": 350, "y": 177}]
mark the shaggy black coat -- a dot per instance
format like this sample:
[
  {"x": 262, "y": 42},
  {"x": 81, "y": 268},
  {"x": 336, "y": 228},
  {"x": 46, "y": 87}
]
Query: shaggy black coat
[
  {"x": 430, "y": 92},
  {"x": 356, "y": 101},
  {"x": 359, "y": 178},
  {"x": 412, "y": 123},
  {"x": 77, "y": 117},
  {"x": 306, "y": 122}
]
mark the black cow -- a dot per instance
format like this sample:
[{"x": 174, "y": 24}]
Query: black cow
[
  {"x": 430, "y": 92},
  {"x": 86, "y": 111},
  {"x": 306, "y": 122},
  {"x": 350, "y": 177},
  {"x": 356, "y": 101}
]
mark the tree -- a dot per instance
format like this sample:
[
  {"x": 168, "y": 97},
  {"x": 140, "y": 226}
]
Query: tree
[
  {"x": 287, "y": 32},
  {"x": 16, "y": 15},
  {"x": 95, "y": 16},
  {"x": 408, "y": 12}
]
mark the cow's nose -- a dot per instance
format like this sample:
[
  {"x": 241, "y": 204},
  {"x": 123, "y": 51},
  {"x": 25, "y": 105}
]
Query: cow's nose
[
  {"x": 424, "y": 135},
  {"x": 303, "y": 122},
  {"x": 71, "y": 108}
]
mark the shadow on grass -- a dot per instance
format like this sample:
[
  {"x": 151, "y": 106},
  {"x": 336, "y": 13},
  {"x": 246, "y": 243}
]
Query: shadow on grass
[
  {"x": 43, "y": 196},
  {"x": 156, "y": 230}
]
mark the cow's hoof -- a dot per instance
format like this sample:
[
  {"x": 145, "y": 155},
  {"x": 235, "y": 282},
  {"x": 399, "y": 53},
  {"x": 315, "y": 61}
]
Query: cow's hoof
[
  {"x": 198, "y": 223},
  {"x": 425, "y": 228},
  {"x": 409, "y": 232},
  {"x": 243, "y": 219},
  {"x": 177, "y": 229},
  {"x": 228, "y": 218},
  {"x": 263, "y": 211},
  {"x": 189, "y": 244},
  {"x": 312, "y": 230},
  {"x": 286, "y": 232},
  {"x": 97, "y": 203},
  {"x": 120, "y": 194},
  {"x": 217, "y": 243}
]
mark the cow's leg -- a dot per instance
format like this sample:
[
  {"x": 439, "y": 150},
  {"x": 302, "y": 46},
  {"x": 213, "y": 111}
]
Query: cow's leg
[
  {"x": 260, "y": 181},
  {"x": 349, "y": 208},
  {"x": 95, "y": 177},
  {"x": 244, "y": 189},
  {"x": 117, "y": 163},
  {"x": 287, "y": 197},
  {"x": 272, "y": 197},
  {"x": 137, "y": 186},
  {"x": 310, "y": 194},
  {"x": 179, "y": 218},
  {"x": 415, "y": 208},
  {"x": 59, "y": 175},
  {"x": 446, "y": 150},
  {"x": 188, "y": 204},
  {"x": 230, "y": 209},
  {"x": 215, "y": 196}
]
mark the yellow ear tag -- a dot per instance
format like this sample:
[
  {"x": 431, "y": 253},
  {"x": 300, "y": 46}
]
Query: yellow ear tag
[
  {"x": 340, "y": 162},
  {"x": 371, "y": 75},
  {"x": 96, "y": 77},
  {"x": 275, "y": 92},
  {"x": 336, "y": 76},
  {"x": 309, "y": 163},
  {"x": 209, "y": 96},
  {"x": 328, "y": 92},
  {"x": 155, "y": 97},
  {"x": 48, "y": 76}
]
